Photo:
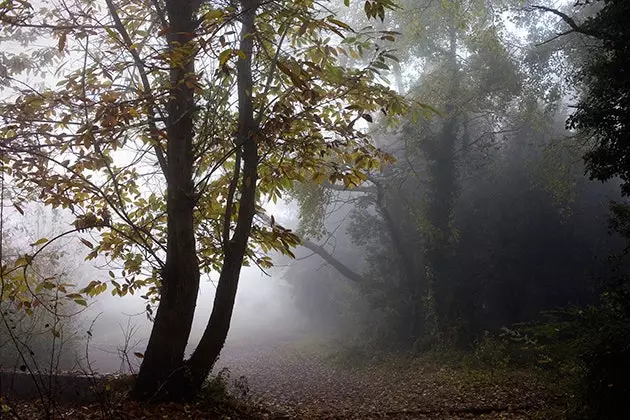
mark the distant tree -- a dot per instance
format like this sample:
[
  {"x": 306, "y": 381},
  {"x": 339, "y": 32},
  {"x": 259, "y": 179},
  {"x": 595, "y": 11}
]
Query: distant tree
[{"x": 486, "y": 218}]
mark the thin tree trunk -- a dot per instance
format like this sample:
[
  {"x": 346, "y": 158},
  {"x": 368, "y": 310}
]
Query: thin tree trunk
[
  {"x": 205, "y": 355},
  {"x": 400, "y": 85},
  {"x": 161, "y": 374}
]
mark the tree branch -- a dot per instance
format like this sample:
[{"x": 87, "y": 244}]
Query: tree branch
[
  {"x": 568, "y": 20},
  {"x": 321, "y": 251},
  {"x": 128, "y": 43},
  {"x": 335, "y": 187},
  {"x": 334, "y": 262}
]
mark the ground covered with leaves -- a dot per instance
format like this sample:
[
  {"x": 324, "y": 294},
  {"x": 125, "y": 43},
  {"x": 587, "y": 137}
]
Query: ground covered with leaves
[{"x": 291, "y": 380}]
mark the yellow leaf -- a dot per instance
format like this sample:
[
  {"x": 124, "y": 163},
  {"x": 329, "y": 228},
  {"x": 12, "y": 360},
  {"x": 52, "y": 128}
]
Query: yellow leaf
[
  {"x": 40, "y": 241},
  {"x": 214, "y": 15}
]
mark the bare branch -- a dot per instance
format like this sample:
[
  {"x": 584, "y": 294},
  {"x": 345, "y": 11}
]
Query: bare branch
[
  {"x": 334, "y": 262},
  {"x": 575, "y": 27}
]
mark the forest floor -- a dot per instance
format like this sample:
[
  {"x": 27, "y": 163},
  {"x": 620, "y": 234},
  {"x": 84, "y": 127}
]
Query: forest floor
[
  {"x": 302, "y": 380},
  {"x": 299, "y": 380}
]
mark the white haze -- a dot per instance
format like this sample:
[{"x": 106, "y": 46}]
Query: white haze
[{"x": 263, "y": 309}]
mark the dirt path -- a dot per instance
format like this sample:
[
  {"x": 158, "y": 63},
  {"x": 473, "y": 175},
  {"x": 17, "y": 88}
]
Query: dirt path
[{"x": 295, "y": 382}]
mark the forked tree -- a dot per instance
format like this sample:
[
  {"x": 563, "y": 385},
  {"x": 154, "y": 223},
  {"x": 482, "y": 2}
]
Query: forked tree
[{"x": 164, "y": 126}]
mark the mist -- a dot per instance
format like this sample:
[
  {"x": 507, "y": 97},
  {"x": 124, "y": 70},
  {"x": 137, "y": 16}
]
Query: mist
[{"x": 303, "y": 210}]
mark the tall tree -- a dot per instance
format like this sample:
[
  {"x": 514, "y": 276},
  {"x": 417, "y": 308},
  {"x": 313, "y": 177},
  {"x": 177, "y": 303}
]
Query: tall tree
[{"x": 141, "y": 140}]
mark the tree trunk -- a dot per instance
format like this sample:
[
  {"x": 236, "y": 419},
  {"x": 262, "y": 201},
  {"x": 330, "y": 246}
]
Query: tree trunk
[
  {"x": 161, "y": 373},
  {"x": 443, "y": 192},
  {"x": 205, "y": 355}
]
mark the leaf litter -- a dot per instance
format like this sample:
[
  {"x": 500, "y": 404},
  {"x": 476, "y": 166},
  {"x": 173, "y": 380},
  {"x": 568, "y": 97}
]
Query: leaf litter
[{"x": 289, "y": 381}]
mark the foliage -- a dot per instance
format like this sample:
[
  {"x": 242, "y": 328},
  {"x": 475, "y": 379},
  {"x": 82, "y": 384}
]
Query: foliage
[
  {"x": 215, "y": 390},
  {"x": 604, "y": 352},
  {"x": 602, "y": 117},
  {"x": 86, "y": 155},
  {"x": 603, "y": 111},
  {"x": 586, "y": 350},
  {"x": 39, "y": 302}
]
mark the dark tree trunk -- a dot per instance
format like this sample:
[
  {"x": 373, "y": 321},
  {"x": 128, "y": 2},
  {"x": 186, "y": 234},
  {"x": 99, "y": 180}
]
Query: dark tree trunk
[
  {"x": 213, "y": 338},
  {"x": 443, "y": 190},
  {"x": 412, "y": 288},
  {"x": 161, "y": 374}
]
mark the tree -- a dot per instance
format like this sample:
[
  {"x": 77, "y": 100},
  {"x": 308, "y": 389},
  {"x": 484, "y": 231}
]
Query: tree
[
  {"x": 475, "y": 212},
  {"x": 603, "y": 111},
  {"x": 602, "y": 118},
  {"x": 176, "y": 123}
]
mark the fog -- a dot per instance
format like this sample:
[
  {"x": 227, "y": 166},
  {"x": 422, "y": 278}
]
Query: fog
[
  {"x": 456, "y": 219},
  {"x": 264, "y": 311}
]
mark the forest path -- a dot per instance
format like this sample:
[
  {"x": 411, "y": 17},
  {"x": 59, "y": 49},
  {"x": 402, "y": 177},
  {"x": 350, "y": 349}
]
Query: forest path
[{"x": 289, "y": 378}]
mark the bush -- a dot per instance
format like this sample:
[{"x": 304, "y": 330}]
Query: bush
[
  {"x": 219, "y": 391},
  {"x": 606, "y": 358},
  {"x": 589, "y": 350},
  {"x": 490, "y": 352}
]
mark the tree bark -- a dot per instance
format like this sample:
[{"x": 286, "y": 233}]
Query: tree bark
[
  {"x": 205, "y": 355},
  {"x": 161, "y": 373}
]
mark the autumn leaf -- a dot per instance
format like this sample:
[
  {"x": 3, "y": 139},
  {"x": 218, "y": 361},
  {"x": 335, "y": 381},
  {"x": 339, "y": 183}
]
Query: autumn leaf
[
  {"x": 62, "y": 41},
  {"x": 40, "y": 241},
  {"x": 86, "y": 243}
]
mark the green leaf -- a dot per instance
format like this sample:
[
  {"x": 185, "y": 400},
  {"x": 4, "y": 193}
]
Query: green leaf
[
  {"x": 48, "y": 285},
  {"x": 40, "y": 241},
  {"x": 340, "y": 24},
  {"x": 225, "y": 55},
  {"x": 213, "y": 15}
]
